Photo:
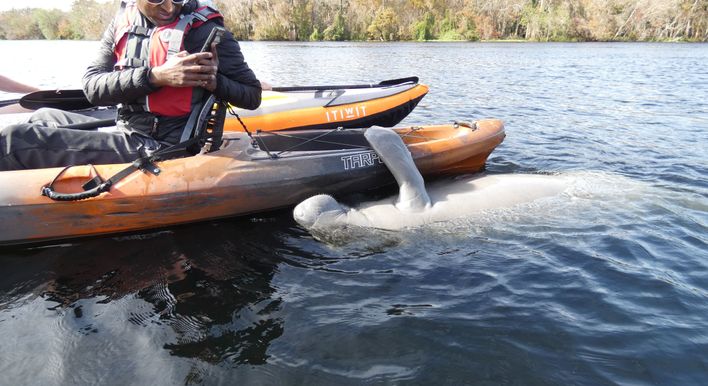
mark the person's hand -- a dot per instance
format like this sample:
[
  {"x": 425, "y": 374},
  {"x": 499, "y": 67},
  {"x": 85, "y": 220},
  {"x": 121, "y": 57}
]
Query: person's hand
[
  {"x": 265, "y": 86},
  {"x": 186, "y": 70},
  {"x": 213, "y": 61}
]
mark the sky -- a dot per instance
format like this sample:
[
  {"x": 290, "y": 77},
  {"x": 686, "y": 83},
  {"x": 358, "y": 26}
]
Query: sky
[{"x": 64, "y": 5}]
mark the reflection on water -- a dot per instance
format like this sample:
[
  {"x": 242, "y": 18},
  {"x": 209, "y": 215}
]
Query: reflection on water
[{"x": 210, "y": 284}]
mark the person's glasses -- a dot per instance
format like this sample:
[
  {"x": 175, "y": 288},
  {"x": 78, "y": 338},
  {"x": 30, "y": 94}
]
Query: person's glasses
[{"x": 158, "y": 2}]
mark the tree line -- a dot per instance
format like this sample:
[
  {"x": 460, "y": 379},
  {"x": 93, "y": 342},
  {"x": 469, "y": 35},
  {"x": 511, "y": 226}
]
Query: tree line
[{"x": 409, "y": 20}]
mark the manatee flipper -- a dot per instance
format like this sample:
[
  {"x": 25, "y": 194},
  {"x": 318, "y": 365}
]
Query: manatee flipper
[{"x": 395, "y": 155}]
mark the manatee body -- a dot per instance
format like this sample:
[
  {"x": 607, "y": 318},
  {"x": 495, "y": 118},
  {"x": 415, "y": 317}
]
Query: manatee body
[
  {"x": 415, "y": 205},
  {"x": 447, "y": 201}
]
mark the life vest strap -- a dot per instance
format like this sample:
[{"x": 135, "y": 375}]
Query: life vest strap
[
  {"x": 139, "y": 30},
  {"x": 185, "y": 23},
  {"x": 132, "y": 63},
  {"x": 201, "y": 16},
  {"x": 175, "y": 44}
]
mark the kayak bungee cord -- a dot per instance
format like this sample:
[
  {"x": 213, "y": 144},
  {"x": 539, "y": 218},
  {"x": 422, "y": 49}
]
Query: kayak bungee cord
[
  {"x": 210, "y": 120},
  {"x": 262, "y": 145},
  {"x": 414, "y": 129},
  {"x": 232, "y": 112},
  {"x": 253, "y": 140},
  {"x": 315, "y": 139}
]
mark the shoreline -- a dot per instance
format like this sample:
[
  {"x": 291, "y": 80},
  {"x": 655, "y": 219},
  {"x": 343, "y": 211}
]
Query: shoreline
[{"x": 672, "y": 41}]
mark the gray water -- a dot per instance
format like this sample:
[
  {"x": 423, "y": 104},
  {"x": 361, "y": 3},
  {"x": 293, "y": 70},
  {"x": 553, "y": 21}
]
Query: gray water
[{"x": 607, "y": 284}]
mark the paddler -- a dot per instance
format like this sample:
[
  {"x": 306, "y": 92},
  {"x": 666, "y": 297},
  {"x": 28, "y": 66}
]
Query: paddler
[{"x": 149, "y": 64}]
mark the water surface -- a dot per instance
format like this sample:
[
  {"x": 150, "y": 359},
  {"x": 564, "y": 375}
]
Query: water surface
[{"x": 606, "y": 285}]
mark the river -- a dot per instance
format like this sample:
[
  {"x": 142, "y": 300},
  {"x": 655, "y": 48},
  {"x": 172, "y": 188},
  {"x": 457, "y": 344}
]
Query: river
[{"x": 608, "y": 285}]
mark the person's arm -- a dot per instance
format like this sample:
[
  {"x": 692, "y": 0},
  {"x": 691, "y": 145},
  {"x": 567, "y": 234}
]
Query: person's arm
[
  {"x": 235, "y": 81},
  {"x": 9, "y": 85},
  {"x": 105, "y": 87}
]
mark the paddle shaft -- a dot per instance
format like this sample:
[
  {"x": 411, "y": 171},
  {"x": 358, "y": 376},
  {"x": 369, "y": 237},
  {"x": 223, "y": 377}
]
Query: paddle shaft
[
  {"x": 391, "y": 82},
  {"x": 9, "y": 102},
  {"x": 70, "y": 100}
]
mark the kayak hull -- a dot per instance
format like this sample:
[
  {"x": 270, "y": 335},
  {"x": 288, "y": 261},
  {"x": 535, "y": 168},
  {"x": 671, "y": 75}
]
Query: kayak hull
[{"x": 237, "y": 179}]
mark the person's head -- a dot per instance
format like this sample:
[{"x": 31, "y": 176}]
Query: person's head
[{"x": 160, "y": 12}]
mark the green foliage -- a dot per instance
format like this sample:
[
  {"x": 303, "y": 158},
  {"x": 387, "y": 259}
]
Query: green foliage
[
  {"x": 55, "y": 24},
  {"x": 337, "y": 31},
  {"x": 451, "y": 35},
  {"x": 385, "y": 25},
  {"x": 470, "y": 30},
  {"x": 20, "y": 25},
  {"x": 238, "y": 17},
  {"x": 301, "y": 19},
  {"x": 315, "y": 35},
  {"x": 90, "y": 28},
  {"x": 48, "y": 22},
  {"x": 549, "y": 24},
  {"x": 274, "y": 31},
  {"x": 449, "y": 29},
  {"x": 423, "y": 30},
  {"x": 448, "y": 23}
]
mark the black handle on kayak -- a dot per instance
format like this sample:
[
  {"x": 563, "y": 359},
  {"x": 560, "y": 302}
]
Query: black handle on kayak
[
  {"x": 56, "y": 196},
  {"x": 97, "y": 186}
]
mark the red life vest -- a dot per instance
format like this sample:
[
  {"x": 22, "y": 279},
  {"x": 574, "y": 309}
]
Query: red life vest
[{"x": 138, "y": 44}]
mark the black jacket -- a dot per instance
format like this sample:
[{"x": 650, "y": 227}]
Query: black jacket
[{"x": 103, "y": 86}]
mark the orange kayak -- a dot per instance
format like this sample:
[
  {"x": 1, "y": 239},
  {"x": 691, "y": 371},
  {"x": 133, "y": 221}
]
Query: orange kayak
[
  {"x": 270, "y": 171},
  {"x": 328, "y": 107},
  {"x": 285, "y": 108}
]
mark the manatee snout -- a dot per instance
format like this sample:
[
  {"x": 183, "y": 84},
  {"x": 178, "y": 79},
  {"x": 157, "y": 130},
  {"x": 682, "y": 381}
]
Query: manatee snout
[{"x": 321, "y": 209}]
